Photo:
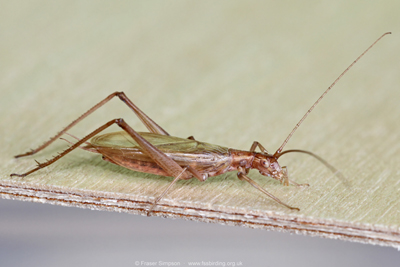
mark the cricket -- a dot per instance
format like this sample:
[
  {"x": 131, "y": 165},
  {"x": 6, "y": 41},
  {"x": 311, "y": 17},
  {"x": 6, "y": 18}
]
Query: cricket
[{"x": 159, "y": 153}]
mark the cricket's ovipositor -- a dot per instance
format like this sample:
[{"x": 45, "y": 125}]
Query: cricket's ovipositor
[{"x": 159, "y": 153}]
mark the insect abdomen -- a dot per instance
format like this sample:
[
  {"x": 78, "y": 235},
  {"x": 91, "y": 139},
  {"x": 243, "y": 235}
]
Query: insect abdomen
[{"x": 138, "y": 165}]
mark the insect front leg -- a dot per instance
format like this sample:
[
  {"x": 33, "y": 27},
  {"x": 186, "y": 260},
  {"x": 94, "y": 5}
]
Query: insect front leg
[
  {"x": 149, "y": 123},
  {"x": 287, "y": 181}
]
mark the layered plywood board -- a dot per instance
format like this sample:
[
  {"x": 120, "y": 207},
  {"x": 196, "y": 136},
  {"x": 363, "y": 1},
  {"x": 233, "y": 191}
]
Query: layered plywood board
[{"x": 227, "y": 78}]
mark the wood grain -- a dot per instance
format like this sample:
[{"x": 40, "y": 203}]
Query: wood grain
[{"x": 228, "y": 78}]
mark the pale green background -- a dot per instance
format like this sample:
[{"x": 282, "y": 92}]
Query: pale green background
[{"x": 208, "y": 69}]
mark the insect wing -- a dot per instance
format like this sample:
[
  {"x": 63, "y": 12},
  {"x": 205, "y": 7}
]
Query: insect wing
[{"x": 186, "y": 152}]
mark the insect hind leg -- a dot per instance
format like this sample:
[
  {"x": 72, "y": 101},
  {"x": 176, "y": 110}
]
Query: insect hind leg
[
  {"x": 159, "y": 157},
  {"x": 149, "y": 123},
  {"x": 65, "y": 152}
]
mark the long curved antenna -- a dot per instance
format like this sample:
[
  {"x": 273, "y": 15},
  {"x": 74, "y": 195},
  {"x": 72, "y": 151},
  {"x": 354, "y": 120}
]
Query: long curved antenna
[
  {"x": 335, "y": 171},
  {"x": 322, "y": 96}
]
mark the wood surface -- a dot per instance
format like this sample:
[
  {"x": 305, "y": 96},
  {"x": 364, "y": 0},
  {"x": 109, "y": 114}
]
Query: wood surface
[{"x": 228, "y": 73}]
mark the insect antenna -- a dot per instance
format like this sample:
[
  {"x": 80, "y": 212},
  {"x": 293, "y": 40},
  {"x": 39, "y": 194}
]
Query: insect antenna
[
  {"x": 335, "y": 171},
  {"x": 278, "y": 152}
]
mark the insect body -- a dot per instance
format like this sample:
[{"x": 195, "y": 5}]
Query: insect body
[
  {"x": 159, "y": 153},
  {"x": 121, "y": 149}
]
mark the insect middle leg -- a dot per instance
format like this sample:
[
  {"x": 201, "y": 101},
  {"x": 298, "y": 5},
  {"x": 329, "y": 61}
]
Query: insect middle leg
[
  {"x": 165, "y": 191},
  {"x": 243, "y": 177},
  {"x": 149, "y": 123}
]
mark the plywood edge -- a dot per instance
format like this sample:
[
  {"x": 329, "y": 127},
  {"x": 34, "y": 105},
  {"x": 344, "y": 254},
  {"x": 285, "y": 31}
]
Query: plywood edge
[{"x": 203, "y": 212}]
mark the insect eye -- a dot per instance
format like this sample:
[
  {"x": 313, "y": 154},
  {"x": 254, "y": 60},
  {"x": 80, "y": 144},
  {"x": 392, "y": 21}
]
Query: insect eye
[{"x": 265, "y": 163}]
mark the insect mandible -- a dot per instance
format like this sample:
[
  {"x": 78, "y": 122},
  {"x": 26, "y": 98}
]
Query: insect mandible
[{"x": 159, "y": 153}]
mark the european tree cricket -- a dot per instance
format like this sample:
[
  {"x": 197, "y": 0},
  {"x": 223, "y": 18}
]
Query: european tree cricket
[{"x": 159, "y": 153}]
